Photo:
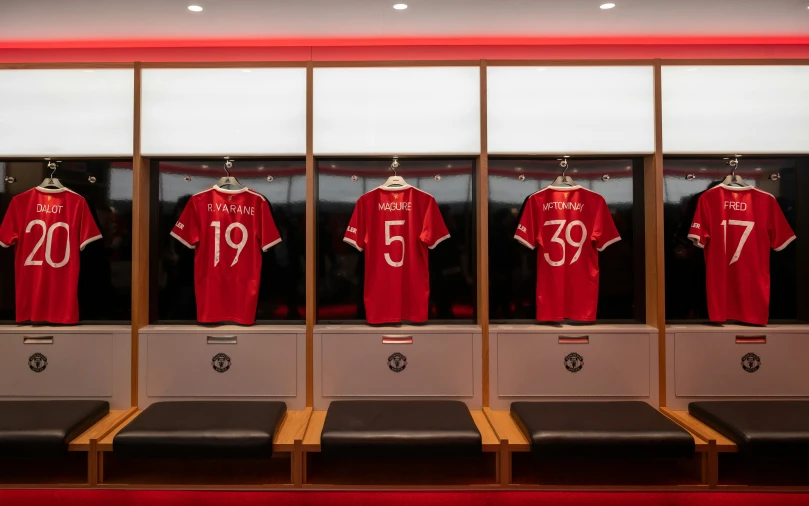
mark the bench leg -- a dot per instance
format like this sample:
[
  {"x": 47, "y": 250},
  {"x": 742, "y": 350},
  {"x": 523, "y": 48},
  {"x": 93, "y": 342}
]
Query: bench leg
[
  {"x": 297, "y": 465},
  {"x": 100, "y": 467},
  {"x": 92, "y": 464},
  {"x": 713, "y": 465},
  {"x": 504, "y": 464}
]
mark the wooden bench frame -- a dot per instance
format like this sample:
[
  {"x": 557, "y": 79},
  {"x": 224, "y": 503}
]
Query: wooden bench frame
[
  {"x": 513, "y": 440},
  {"x": 311, "y": 444},
  {"x": 287, "y": 439}
]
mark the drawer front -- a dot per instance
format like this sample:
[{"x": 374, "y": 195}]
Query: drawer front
[
  {"x": 56, "y": 365},
  {"x": 573, "y": 365},
  {"x": 210, "y": 365},
  {"x": 393, "y": 365},
  {"x": 749, "y": 364}
]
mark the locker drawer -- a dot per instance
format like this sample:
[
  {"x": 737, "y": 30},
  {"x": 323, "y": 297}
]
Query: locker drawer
[
  {"x": 740, "y": 364},
  {"x": 202, "y": 365},
  {"x": 394, "y": 364},
  {"x": 56, "y": 365},
  {"x": 573, "y": 365}
]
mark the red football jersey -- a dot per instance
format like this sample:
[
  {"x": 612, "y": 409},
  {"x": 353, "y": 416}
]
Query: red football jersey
[
  {"x": 570, "y": 225},
  {"x": 231, "y": 228},
  {"x": 737, "y": 226},
  {"x": 50, "y": 228},
  {"x": 395, "y": 227}
]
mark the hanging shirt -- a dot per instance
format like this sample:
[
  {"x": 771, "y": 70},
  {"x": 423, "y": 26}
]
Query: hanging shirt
[
  {"x": 737, "y": 226},
  {"x": 229, "y": 229},
  {"x": 395, "y": 227},
  {"x": 49, "y": 227},
  {"x": 570, "y": 225}
]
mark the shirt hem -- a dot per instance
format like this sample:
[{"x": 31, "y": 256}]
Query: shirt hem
[
  {"x": 352, "y": 242},
  {"x": 609, "y": 243},
  {"x": 181, "y": 240},
  {"x": 439, "y": 241},
  {"x": 524, "y": 242},
  {"x": 265, "y": 248},
  {"x": 696, "y": 240},
  {"x": 4, "y": 245},
  {"x": 786, "y": 243},
  {"x": 88, "y": 241}
]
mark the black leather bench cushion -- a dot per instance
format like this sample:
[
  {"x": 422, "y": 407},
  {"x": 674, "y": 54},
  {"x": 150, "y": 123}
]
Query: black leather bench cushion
[
  {"x": 201, "y": 430},
  {"x": 620, "y": 430},
  {"x": 42, "y": 429},
  {"x": 761, "y": 428},
  {"x": 400, "y": 429}
]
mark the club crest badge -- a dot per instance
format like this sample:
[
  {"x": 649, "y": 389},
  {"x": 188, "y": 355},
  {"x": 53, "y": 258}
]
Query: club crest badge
[
  {"x": 37, "y": 362},
  {"x": 574, "y": 362},
  {"x": 395, "y": 196},
  {"x": 220, "y": 362},
  {"x": 397, "y": 362},
  {"x": 751, "y": 362}
]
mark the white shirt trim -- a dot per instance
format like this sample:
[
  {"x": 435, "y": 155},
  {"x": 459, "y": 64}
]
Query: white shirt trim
[
  {"x": 737, "y": 188},
  {"x": 786, "y": 243},
  {"x": 397, "y": 188},
  {"x": 88, "y": 241},
  {"x": 265, "y": 248},
  {"x": 4, "y": 245},
  {"x": 696, "y": 240},
  {"x": 182, "y": 240},
  {"x": 352, "y": 242},
  {"x": 51, "y": 190},
  {"x": 608, "y": 243},
  {"x": 220, "y": 189},
  {"x": 524, "y": 242},
  {"x": 439, "y": 241},
  {"x": 574, "y": 187},
  {"x": 257, "y": 194}
]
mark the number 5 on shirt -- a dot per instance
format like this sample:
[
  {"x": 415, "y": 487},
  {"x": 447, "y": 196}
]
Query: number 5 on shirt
[{"x": 389, "y": 239}]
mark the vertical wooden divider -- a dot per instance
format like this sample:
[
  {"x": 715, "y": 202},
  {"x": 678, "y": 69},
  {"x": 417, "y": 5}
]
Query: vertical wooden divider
[
  {"x": 140, "y": 236},
  {"x": 655, "y": 260},
  {"x": 483, "y": 233},
  {"x": 311, "y": 237}
]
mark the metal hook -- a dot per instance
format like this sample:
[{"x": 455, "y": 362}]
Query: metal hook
[
  {"x": 228, "y": 165},
  {"x": 394, "y": 164},
  {"x": 734, "y": 163},
  {"x": 52, "y": 166},
  {"x": 563, "y": 163}
]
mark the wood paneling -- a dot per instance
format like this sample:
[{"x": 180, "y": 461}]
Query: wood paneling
[
  {"x": 483, "y": 232},
  {"x": 311, "y": 235},
  {"x": 655, "y": 261},
  {"x": 140, "y": 237}
]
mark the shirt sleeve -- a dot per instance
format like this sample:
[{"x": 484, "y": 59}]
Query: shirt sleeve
[
  {"x": 604, "y": 231},
  {"x": 9, "y": 230},
  {"x": 700, "y": 232},
  {"x": 526, "y": 225},
  {"x": 88, "y": 231},
  {"x": 433, "y": 230},
  {"x": 269, "y": 232},
  {"x": 781, "y": 233},
  {"x": 186, "y": 230},
  {"x": 355, "y": 233}
]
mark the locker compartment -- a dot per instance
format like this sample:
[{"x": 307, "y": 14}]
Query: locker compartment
[
  {"x": 397, "y": 363},
  {"x": 573, "y": 364},
  {"x": 45, "y": 364},
  {"x": 216, "y": 363},
  {"x": 740, "y": 364}
]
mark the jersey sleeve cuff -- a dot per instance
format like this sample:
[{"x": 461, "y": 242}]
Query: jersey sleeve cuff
[
  {"x": 524, "y": 242},
  {"x": 352, "y": 242},
  {"x": 439, "y": 241},
  {"x": 181, "y": 240},
  {"x": 88, "y": 241},
  {"x": 265, "y": 248},
  {"x": 696, "y": 240},
  {"x": 609, "y": 243},
  {"x": 4, "y": 245},
  {"x": 779, "y": 248}
]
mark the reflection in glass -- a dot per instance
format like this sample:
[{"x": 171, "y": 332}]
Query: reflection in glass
[
  {"x": 513, "y": 267},
  {"x": 340, "y": 268},
  {"x": 282, "y": 296},
  {"x": 105, "y": 279}
]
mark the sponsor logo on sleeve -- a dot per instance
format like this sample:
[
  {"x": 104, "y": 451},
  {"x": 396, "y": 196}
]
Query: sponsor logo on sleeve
[
  {"x": 522, "y": 228},
  {"x": 695, "y": 225},
  {"x": 179, "y": 225}
]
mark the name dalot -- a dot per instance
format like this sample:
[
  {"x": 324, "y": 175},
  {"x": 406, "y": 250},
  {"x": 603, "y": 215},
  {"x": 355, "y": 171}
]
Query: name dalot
[{"x": 49, "y": 209}]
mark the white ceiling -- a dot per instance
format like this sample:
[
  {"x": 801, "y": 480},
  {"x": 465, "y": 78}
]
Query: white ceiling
[{"x": 134, "y": 20}]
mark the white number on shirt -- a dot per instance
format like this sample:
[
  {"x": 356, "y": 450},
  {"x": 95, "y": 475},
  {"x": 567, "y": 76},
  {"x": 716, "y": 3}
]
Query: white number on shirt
[
  {"x": 390, "y": 239},
  {"x": 217, "y": 227},
  {"x": 748, "y": 227},
  {"x": 568, "y": 236},
  {"x": 47, "y": 238}
]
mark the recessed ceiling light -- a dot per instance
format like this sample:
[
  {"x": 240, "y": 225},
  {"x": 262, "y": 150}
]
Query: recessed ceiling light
[
  {"x": 261, "y": 167},
  {"x": 195, "y": 8},
  {"x": 758, "y": 168},
  {"x": 204, "y": 166},
  {"x": 703, "y": 168},
  {"x": 449, "y": 166},
  {"x": 607, "y": 6},
  {"x": 400, "y": 7},
  {"x": 628, "y": 167}
]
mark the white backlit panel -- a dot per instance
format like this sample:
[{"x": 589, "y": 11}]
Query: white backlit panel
[
  {"x": 224, "y": 111},
  {"x": 393, "y": 111},
  {"x": 735, "y": 109},
  {"x": 66, "y": 112},
  {"x": 570, "y": 110}
]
